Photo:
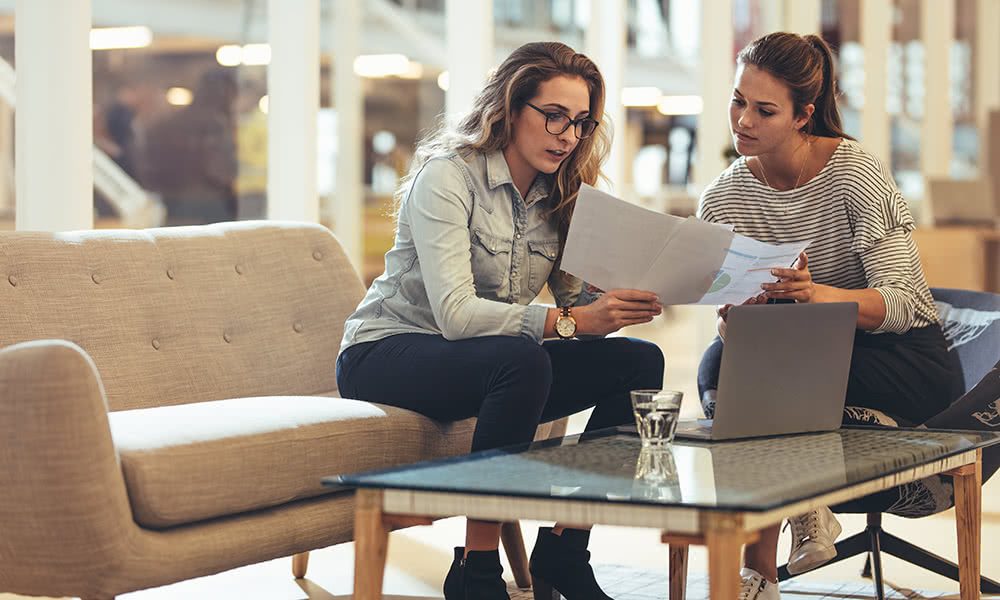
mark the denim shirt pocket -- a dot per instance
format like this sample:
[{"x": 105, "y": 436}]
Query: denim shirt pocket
[
  {"x": 542, "y": 256},
  {"x": 490, "y": 262}
]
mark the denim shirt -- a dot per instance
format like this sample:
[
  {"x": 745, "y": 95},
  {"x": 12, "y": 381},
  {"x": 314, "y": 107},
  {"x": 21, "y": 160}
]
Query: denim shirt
[{"x": 469, "y": 257}]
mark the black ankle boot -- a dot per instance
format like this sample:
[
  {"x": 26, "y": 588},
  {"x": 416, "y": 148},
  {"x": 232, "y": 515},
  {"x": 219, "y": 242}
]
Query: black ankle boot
[
  {"x": 478, "y": 576},
  {"x": 560, "y": 564}
]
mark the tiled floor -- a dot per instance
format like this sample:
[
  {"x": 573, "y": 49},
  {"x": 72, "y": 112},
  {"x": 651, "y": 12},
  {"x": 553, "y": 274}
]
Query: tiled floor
[
  {"x": 419, "y": 556},
  {"x": 629, "y": 583}
]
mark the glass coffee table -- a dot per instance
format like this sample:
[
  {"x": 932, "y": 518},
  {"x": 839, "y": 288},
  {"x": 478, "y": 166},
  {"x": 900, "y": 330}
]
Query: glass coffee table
[{"x": 717, "y": 494}]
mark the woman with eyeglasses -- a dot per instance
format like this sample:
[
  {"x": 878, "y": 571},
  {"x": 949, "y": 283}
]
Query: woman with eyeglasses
[{"x": 449, "y": 331}]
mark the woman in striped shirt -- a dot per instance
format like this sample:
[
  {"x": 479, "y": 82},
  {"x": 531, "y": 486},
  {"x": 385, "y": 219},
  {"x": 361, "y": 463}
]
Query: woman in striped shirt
[{"x": 800, "y": 177}]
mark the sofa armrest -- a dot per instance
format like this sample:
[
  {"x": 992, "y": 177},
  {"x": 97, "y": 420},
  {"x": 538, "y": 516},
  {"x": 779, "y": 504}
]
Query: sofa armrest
[{"x": 64, "y": 512}]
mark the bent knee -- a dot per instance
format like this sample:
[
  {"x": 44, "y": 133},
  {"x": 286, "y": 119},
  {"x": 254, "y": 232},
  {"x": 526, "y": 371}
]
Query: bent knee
[
  {"x": 523, "y": 356},
  {"x": 647, "y": 357}
]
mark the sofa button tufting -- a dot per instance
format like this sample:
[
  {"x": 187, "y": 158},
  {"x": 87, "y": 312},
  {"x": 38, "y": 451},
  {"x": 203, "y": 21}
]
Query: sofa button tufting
[
  {"x": 95, "y": 279},
  {"x": 156, "y": 344},
  {"x": 239, "y": 269},
  {"x": 170, "y": 273},
  {"x": 297, "y": 327},
  {"x": 318, "y": 255},
  {"x": 12, "y": 280},
  {"x": 227, "y": 337}
]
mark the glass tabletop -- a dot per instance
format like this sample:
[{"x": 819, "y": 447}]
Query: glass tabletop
[{"x": 747, "y": 475}]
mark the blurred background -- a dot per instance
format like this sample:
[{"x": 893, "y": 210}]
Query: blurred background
[{"x": 181, "y": 100}]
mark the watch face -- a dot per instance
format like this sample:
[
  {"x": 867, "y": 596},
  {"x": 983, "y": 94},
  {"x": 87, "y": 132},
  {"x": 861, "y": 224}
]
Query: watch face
[{"x": 565, "y": 326}]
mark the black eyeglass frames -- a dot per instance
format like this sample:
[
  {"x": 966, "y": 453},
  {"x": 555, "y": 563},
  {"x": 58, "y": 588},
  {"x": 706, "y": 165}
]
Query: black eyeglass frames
[{"x": 557, "y": 122}]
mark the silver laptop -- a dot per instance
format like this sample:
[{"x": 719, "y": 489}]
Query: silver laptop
[
  {"x": 784, "y": 370},
  {"x": 962, "y": 202}
]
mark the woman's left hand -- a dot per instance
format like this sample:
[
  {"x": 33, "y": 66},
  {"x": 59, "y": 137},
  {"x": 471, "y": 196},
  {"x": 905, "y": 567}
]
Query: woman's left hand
[{"x": 793, "y": 284}]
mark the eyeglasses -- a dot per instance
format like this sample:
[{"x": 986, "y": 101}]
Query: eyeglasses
[{"x": 557, "y": 122}]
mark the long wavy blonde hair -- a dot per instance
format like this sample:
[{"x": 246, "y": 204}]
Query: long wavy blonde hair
[{"x": 489, "y": 126}]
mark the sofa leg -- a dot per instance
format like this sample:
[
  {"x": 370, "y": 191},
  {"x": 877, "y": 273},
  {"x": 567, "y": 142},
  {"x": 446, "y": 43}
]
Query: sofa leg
[
  {"x": 300, "y": 563},
  {"x": 513, "y": 544}
]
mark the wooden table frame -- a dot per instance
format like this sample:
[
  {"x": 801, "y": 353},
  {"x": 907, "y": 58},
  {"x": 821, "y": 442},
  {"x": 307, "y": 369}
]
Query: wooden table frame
[{"x": 379, "y": 511}]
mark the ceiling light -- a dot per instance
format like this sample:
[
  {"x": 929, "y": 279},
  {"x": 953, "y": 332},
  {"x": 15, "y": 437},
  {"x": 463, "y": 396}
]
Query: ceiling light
[
  {"x": 263, "y": 104},
  {"x": 640, "y": 96},
  {"x": 680, "y": 105},
  {"x": 179, "y": 96},
  {"x": 230, "y": 55},
  {"x": 256, "y": 54},
  {"x": 443, "y": 80},
  {"x": 109, "y": 38},
  {"x": 381, "y": 65}
]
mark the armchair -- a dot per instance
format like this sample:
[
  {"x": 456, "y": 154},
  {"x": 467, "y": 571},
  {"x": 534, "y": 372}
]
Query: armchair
[{"x": 971, "y": 322}]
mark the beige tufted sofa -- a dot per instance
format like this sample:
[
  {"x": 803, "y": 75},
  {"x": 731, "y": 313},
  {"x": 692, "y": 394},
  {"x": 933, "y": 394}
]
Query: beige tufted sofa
[{"x": 168, "y": 404}]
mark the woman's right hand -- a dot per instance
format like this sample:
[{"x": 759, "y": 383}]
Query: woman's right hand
[{"x": 616, "y": 309}]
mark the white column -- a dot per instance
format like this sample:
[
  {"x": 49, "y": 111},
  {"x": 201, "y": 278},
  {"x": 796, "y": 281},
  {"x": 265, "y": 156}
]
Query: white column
[
  {"x": 348, "y": 101},
  {"x": 937, "y": 24},
  {"x": 717, "y": 66},
  {"x": 293, "y": 90},
  {"x": 606, "y": 45},
  {"x": 876, "y": 34},
  {"x": 6, "y": 158},
  {"x": 987, "y": 83},
  {"x": 54, "y": 122},
  {"x": 772, "y": 16},
  {"x": 803, "y": 16},
  {"x": 470, "y": 52},
  {"x": 631, "y": 134}
]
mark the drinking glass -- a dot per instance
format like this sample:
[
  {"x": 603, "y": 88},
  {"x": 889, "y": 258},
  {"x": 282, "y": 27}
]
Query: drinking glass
[{"x": 656, "y": 413}]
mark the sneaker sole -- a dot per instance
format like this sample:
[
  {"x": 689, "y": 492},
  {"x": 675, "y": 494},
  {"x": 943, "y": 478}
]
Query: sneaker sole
[
  {"x": 812, "y": 561},
  {"x": 816, "y": 559}
]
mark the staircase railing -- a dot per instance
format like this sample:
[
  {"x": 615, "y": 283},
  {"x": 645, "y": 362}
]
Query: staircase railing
[{"x": 135, "y": 206}]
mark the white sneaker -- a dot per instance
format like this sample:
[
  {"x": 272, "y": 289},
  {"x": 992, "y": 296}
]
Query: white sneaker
[
  {"x": 755, "y": 587},
  {"x": 813, "y": 538}
]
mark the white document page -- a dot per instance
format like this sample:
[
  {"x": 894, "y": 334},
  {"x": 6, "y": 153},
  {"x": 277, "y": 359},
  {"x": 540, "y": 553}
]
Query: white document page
[
  {"x": 687, "y": 265},
  {"x": 747, "y": 265},
  {"x": 613, "y": 244}
]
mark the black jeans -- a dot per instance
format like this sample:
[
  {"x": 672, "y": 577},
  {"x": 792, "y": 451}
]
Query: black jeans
[{"x": 512, "y": 384}]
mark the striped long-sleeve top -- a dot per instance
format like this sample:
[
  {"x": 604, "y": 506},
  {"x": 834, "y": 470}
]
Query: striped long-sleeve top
[{"x": 855, "y": 217}]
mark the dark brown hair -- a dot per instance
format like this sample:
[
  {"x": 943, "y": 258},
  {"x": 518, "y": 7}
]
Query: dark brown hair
[
  {"x": 805, "y": 64},
  {"x": 489, "y": 126}
]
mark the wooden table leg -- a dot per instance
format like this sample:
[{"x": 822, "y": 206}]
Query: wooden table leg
[
  {"x": 968, "y": 521},
  {"x": 371, "y": 542},
  {"x": 513, "y": 544},
  {"x": 724, "y": 537},
  {"x": 727, "y": 538},
  {"x": 678, "y": 567}
]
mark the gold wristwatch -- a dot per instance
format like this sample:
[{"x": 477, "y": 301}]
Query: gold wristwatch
[{"x": 565, "y": 324}]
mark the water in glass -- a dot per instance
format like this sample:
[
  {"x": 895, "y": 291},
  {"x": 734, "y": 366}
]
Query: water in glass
[{"x": 656, "y": 413}]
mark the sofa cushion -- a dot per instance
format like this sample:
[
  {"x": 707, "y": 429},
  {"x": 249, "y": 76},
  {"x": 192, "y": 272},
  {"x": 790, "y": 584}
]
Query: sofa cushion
[{"x": 190, "y": 462}]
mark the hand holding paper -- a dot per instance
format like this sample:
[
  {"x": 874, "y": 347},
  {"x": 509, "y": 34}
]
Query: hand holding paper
[
  {"x": 615, "y": 244},
  {"x": 794, "y": 283}
]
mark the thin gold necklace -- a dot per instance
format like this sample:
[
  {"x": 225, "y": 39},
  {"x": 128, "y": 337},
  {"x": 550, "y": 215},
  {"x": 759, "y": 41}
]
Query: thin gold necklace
[{"x": 763, "y": 172}]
